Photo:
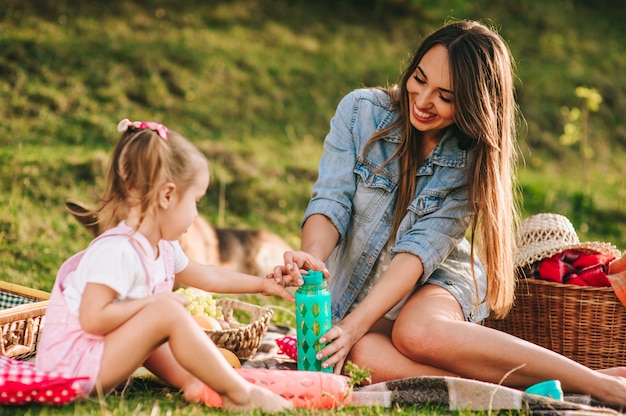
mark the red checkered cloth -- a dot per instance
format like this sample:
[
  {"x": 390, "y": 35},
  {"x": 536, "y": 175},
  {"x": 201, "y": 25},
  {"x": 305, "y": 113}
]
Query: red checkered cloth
[{"x": 21, "y": 382}]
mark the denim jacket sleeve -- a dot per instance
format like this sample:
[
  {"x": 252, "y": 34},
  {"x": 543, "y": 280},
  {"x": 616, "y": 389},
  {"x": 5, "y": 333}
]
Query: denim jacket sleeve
[
  {"x": 438, "y": 217},
  {"x": 435, "y": 224},
  {"x": 334, "y": 190}
]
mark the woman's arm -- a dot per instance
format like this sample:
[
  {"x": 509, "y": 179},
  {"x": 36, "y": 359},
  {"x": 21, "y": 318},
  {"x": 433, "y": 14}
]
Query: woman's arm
[
  {"x": 400, "y": 277},
  {"x": 319, "y": 236}
]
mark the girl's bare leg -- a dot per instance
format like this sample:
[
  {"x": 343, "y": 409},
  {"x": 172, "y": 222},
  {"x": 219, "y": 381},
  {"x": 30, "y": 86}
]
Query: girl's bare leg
[
  {"x": 431, "y": 331},
  {"x": 163, "y": 364},
  {"x": 166, "y": 320}
]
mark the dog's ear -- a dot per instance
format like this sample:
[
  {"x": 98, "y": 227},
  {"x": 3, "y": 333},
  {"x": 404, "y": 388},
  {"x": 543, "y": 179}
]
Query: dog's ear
[{"x": 83, "y": 214}]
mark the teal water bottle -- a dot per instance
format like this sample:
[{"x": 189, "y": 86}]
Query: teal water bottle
[{"x": 313, "y": 318}]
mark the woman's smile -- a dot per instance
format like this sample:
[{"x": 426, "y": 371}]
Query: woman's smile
[
  {"x": 430, "y": 93},
  {"x": 423, "y": 115}
]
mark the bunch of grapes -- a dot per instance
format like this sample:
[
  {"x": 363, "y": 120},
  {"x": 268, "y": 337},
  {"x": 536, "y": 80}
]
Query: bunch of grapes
[{"x": 201, "y": 303}]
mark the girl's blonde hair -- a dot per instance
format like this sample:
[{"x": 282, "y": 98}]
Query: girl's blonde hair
[
  {"x": 143, "y": 161},
  {"x": 482, "y": 74}
]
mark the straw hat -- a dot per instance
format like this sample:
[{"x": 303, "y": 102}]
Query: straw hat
[{"x": 541, "y": 236}]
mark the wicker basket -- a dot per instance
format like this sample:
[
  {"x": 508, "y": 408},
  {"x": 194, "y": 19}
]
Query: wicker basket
[
  {"x": 586, "y": 324},
  {"x": 242, "y": 339},
  {"x": 22, "y": 310}
]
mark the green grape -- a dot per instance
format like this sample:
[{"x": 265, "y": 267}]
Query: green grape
[{"x": 201, "y": 303}]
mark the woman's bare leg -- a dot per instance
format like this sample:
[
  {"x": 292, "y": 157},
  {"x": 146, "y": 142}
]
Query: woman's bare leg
[
  {"x": 165, "y": 320},
  {"x": 387, "y": 362},
  {"x": 431, "y": 330}
]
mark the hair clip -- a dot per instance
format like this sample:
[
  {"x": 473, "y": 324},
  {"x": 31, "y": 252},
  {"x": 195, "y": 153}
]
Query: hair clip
[{"x": 160, "y": 129}]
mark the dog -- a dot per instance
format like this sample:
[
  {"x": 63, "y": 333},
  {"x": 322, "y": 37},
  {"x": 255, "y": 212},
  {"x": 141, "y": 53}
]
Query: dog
[{"x": 254, "y": 251}]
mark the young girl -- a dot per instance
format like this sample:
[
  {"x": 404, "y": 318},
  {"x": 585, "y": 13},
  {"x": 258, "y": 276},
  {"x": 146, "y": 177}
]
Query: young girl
[
  {"x": 406, "y": 172},
  {"x": 112, "y": 308}
]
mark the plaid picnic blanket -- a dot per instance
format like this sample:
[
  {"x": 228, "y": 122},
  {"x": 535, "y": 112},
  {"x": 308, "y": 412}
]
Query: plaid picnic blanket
[
  {"x": 452, "y": 393},
  {"x": 11, "y": 300}
]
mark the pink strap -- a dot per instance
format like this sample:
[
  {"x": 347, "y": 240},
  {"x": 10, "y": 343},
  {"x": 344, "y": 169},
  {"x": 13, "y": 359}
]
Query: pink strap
[{"x": 141, "y": 246}]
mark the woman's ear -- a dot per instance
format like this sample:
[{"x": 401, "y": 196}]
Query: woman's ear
[{"x": 166, "y": 195}]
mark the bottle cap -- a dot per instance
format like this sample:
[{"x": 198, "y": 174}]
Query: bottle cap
[{"x": 313, "y": 277}]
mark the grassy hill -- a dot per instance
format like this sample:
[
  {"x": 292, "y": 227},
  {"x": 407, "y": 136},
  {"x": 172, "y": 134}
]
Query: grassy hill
[{"x": 254, "y": 84}]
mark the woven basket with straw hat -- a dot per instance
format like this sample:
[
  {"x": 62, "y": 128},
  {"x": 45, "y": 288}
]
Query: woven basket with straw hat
[
  {"x": 541, "y": 236},
  {"x": 584, "y": 323}
]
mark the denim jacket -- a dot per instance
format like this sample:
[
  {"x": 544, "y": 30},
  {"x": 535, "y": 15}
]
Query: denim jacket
[{"x": 360, "y": 202}]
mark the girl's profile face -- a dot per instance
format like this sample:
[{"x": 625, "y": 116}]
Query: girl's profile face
[
  {"x": 183, "y": 210},
  {"x": 431, "y": 107}
]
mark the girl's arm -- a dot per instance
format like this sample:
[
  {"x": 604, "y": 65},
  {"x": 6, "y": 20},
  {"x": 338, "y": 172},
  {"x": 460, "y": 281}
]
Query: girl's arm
[
  {"x": 219, "y": 279},
  {"x": 99, "y": 314}
]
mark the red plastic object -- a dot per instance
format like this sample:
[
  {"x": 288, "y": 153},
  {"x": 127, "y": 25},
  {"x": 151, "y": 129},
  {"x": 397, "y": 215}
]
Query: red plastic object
[{"x": 289, "y": 346}]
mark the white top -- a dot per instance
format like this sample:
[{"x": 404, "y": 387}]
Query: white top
[{"x": 113, "y": 261}]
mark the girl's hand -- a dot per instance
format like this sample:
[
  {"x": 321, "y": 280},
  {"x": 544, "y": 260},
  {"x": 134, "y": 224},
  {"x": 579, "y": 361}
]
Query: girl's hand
[
  {"x": 296, "y": 263},
  {"x": 341, "y": 339},
  {"x": 178, "y": 297},
  {"x": 270, "y": 287}
]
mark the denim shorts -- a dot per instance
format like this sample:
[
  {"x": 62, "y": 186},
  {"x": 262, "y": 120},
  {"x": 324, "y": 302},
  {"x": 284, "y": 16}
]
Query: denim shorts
[{"x": 455, "y": 276}]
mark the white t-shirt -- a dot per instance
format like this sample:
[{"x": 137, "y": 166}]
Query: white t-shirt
[{"x": 114, "y": 262}]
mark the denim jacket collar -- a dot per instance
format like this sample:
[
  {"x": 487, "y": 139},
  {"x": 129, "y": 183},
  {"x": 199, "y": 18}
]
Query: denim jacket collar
[{"x": 446, "y": 153}]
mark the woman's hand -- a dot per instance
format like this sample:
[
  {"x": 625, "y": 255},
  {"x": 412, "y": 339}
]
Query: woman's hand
[
  {"x": 296, "y": 263},
  {"x": 340, "y": 338}
]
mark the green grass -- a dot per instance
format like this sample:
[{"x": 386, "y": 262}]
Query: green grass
[
  {"x": 147, "y": 396},
  {"x": 253, "y": 83}
]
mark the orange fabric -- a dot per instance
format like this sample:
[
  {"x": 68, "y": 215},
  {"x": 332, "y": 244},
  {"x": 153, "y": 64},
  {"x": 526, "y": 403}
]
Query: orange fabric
[
  {"x": 618, "y": 283},
  {"x": 210, "y": 397},
  {"x": 618, "y": 265}
]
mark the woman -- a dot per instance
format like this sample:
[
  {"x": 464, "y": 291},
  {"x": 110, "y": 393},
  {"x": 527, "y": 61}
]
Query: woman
[{"x": 406, "y": 172}]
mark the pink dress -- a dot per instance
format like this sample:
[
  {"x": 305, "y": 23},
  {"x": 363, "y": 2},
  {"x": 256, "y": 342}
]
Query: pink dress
[{"x": 64, "y": 346}]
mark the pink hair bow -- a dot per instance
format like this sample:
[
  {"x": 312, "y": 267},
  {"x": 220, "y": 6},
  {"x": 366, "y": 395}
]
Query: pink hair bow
[{"x": 160, "y": 129}]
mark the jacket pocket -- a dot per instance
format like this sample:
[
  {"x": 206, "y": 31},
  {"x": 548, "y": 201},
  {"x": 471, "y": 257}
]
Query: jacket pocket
[
  {"x": 373, "y": 190},
  {"x": 427, "y": 202}
]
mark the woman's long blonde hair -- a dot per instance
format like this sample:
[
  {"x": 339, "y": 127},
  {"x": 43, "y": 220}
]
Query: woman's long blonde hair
[{"x": 482, "y": 74}]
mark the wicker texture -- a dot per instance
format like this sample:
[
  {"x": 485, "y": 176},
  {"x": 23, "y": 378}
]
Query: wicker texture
[
  {"x": 242, "y": 339},
  {"x": 541, "y": 236},
  {"x": 584, "y": 323},
  {"x": 21, "y": 325}
]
